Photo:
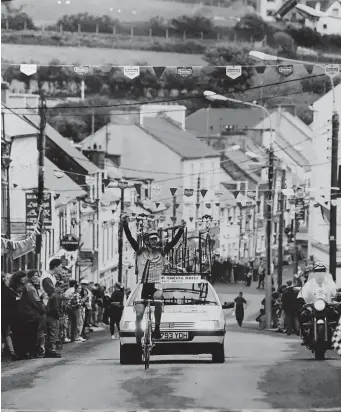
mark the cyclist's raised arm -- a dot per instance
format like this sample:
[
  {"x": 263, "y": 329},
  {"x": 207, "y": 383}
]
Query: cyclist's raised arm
[
  {"x": 169, "y": 246},
  {"x": 134, "y": 244}
]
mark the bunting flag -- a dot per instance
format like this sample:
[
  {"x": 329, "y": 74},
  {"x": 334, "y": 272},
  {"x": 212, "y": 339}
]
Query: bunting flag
[
  {"x": 285, "y": 70},
  {"x": 208, "y": 205},
  {"x": 332, "y": 70},
  {"x": 217, "y": 204},
  {"x": 177, "y": 205},
  {"x": 138, "y": 188},
  {"x": 117, "y": 202},
  {"x": 131, "y": 71},
  {"x": 249, "y": 216},
  {"x": 127, "y": 204},
  {"x": 258, "y": 202},
  {"x": 157, "y": 204},
  {"x": 260, "y": 69},
  {"x": 184, "y": 71},
  {"x": 208, "y": 70},
  {"x": 197, "y": 205},
  {"x": 188, "y": 192},
  {"x": 233, "y": 72},
  {"x": 235, "y": 193},
  {"x": 81, "y": 70},
  {"x": 203, "y": 192},
  {"x": 173, "y": 219},
  {"x": 159, "y": 70},
  {"x": 12, "y": 245},
  {"x": 28, "y": 69},
  {"x": 191, "y": 219},
  {"x": 230, "y": 218},
  {"x": 173, "y": 190},
  {"x": 309, "y": 68},
  {"x": 251, "y": 194}
]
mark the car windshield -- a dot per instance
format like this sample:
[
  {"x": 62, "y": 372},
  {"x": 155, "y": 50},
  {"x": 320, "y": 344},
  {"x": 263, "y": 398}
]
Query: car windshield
[{"x": 183, "y": 294}]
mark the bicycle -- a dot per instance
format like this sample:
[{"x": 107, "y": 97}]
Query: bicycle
[{"x": 147, "y": 341}]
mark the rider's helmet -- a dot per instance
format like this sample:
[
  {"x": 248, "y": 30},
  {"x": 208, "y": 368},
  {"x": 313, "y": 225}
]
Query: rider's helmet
[{"x": 319, "y": 267}]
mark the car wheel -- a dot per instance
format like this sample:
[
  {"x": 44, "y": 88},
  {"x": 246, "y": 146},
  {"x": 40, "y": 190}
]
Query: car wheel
[
  {"x": 130, "y": 355},
  {"x": 218, "y": 354}
]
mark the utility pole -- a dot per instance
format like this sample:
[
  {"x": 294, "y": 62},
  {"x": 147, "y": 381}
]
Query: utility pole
[
  {"x": 98, "y": 191},
  {"x": 268, "y": 284},
  {"x": 41, "y": 162},
  {"x": 198, "y": 200},
  {"x": 281, "y": 231},
  {"x": 333, "y": 195},
  {"x": 174, "y": 209},
  {"x": 122, "y": 185},
  {"x": 93, "y": 122}
]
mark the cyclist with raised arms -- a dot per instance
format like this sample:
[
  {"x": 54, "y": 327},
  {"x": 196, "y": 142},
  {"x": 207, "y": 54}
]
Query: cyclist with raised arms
[{"x": 150, "y": 266}]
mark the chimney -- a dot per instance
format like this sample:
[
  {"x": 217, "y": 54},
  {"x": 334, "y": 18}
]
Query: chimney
[
  {"x": 4, "y": 92},
  {"x": 125, "y": 115},
  {"x": 96, "y": 156}
]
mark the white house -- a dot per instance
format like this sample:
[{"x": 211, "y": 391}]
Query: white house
[
  {"x": 320, "y": 181},
  {"x": 322, "y": 16}
]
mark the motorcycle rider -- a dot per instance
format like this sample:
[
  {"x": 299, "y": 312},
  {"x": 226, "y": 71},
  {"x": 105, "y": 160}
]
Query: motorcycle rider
[
  {"x": 320, "y": 285},
  {"x": 150, "y": 263}
]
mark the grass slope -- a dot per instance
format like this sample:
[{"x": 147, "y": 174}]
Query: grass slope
[
  {"x": 49, "y": 11},
  {"x": 18, "y": 53}
]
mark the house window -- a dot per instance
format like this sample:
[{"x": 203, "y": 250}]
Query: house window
[{"x": 335, "y": 12}]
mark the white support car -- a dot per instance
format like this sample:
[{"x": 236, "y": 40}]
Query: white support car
[{"x": 192, "y": 321}]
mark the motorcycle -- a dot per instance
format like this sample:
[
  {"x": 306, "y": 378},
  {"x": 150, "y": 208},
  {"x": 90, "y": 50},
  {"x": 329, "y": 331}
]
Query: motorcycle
[{"x": 318, "y": 323}]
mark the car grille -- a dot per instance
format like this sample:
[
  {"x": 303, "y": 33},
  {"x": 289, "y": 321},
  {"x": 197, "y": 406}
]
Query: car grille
[{"x": 169, "y": 326}]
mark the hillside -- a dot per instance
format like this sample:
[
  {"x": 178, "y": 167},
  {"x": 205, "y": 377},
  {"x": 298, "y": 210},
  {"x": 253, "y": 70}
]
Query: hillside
[{"x": 46, "y": 12}]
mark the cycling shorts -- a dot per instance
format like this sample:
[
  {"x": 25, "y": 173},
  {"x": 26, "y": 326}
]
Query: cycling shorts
[{"x": 149, "y": 289}]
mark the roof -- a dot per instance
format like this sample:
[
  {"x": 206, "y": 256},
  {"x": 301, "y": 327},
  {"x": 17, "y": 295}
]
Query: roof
[
  {"x": 324, "y": 4},
  {"x": 327, "y": 99},
  {"x": 182, "y": 142},
  {"x": 64, "y": 144},
  {"x": 16, "y": 126},
  {"x": 283, "y": 134},
  {"x": 210, "y": 122},
  {"x": 240, "y": 167},
  {"x": 65, "y": 186}
]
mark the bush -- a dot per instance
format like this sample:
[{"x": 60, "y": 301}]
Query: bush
[
  {"x": 87, "y": 22},
  {"x": 283, "y": 41}
]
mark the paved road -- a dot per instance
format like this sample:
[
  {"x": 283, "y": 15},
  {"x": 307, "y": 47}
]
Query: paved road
[{"x": 262, "y": 370}]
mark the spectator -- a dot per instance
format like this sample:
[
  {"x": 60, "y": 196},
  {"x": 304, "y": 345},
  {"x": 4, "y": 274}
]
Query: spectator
[
  {"x": 75, "y": 305},
  {"x": 54, "y": 312},
  {"x": 289, "y": 303},
  {"x": 16, "y": 284},
  {"x": 32, "y": 314},
  {"x": 255, "y": 267},
  {"x": 99, "y": 296},
  {"x": 106, "y": 308},
  {"x": 64, "y": 319},
  {"x": 261, "y": 275},
  {"x": 116, "y": 309},
  {"x": 239, "y": 306},
  {"x": 49, "y": 279},
  {"x": 8, "y": 315},
  {"x": 86, "y": 298},
  {"x": 248, "y": 276},
  {"x": 261, "y": 319},
  {"x": 67, "y": 296},
  {"x": 94, "y": 304}
]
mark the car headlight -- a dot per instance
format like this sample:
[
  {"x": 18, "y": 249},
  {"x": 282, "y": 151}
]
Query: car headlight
[
  {"x": 320, "y": 305},
  {"x": 207, "y": 325}
]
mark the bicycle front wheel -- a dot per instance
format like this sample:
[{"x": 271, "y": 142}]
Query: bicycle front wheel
[{"x": 146, "y": 349}]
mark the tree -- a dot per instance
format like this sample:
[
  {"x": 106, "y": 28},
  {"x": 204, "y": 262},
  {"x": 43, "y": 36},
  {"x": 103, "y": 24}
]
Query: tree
[
  {"x": 223, "y": 56},
  {"x": 253, "y": 26},
  {"x": 193, "y": 25}
]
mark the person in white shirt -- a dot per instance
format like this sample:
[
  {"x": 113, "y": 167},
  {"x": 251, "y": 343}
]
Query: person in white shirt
[
  {"x": 49, "y": 278},
  {"x": 320, "y": 285}
]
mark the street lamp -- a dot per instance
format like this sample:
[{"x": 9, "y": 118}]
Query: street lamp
[
  {"x": 211, "y": 96},
  {"x": 334, "y": 157}
]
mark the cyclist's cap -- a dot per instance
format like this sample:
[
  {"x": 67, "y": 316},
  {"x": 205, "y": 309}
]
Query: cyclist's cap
[{"x": 151, "y": 234}]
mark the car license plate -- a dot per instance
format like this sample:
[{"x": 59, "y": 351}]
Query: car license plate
[{"x": 174, "y": 335}]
